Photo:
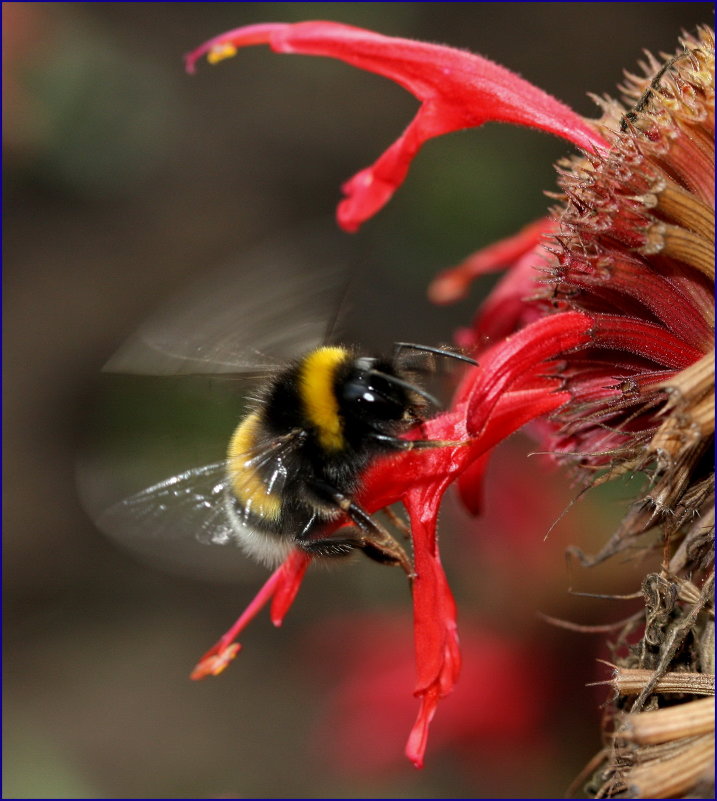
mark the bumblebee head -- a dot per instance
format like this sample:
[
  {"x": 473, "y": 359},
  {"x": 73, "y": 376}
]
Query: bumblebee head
[
  {"x": 372, "y": 392},
  {"x": 345, "y": 399}
]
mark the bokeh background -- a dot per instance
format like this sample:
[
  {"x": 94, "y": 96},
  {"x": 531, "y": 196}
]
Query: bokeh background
[{"x": 125, "y": 179}]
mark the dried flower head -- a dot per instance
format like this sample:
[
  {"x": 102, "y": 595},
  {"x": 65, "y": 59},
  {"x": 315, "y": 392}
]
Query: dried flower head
[{"x": 633, "y": 247}]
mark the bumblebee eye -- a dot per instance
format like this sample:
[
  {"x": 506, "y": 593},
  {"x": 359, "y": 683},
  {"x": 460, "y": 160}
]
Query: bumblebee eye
[
  {"x": 368, "y": 395},
  {"x": 358, "y": 389}
]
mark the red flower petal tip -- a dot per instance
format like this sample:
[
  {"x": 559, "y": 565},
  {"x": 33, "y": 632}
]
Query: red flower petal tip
[
  {"x": 215, "y": 662},
  {"x": 452, "y": 284}
]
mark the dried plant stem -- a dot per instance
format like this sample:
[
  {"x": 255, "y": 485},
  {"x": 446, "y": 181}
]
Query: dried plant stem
[
  {"x": 631, "y": 681},
  {"x": 662, "y": 725},
  {"x": 675, "y": 636},
  {"x": 674, "y": 775}
]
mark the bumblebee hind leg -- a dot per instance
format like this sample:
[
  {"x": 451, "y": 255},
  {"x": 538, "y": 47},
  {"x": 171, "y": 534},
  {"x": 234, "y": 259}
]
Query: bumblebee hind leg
[
  {"x": 398, "y": 522},
  {"x": 368, "y": 536}
]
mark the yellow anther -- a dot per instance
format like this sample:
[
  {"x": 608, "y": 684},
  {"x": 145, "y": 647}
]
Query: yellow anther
[{"x": 220, "y": 52}]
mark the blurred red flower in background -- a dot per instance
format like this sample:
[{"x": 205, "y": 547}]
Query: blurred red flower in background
[{"x": 504, "y": 694}]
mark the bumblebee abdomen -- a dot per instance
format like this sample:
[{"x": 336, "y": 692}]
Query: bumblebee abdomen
[{"x": 253, "y": 491}]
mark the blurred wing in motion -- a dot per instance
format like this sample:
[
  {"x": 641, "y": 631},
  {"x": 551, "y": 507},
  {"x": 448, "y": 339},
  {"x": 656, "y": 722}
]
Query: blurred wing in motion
[{"x": 267, "y": 307}]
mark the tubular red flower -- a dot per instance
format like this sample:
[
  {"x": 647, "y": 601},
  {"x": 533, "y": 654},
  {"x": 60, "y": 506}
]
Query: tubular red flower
[
  {"x": 452, "y": 284},
  {"x": 643, "y": 339},
  {"x": 505, "y": 310},
  {"x": 438, "y": 657},
  {"x": 457, "y": 90},
  {"x": 518, "y": 359},
  {"x": 504, "y": 393}
]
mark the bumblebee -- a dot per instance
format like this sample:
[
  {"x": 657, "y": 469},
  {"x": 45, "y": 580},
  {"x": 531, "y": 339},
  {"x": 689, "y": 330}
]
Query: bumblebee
[{"x": 295, "y": 461}]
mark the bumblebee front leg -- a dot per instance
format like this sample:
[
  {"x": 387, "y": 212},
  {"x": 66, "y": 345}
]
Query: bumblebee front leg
[
  {"x": 413, "y": 444},
  {"x": 370, "y": 537}
]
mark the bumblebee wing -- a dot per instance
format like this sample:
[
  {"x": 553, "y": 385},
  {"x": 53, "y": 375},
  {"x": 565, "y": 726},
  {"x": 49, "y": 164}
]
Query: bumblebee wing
[
  {"x": 188, "y": 502},
  {"x": 165, "y": 523},
  {"x": 248, "y": 316},
  {"x": 169, "y": 524}
]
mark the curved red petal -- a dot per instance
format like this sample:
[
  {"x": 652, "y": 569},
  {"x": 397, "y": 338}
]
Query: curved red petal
[
  {"x": 513, "y": 359},
  {"x": 457, "y": 90},
  {"x": 510, "y": 306},
  {"x": 418, "y": 738},
  {"x": 292, "y": 573},
  {"x": 452, "y": 284},
  {"x": 643, "y": 339},
  {"x": 438, "y": 660},
  {"x": 470, "y": 484}
]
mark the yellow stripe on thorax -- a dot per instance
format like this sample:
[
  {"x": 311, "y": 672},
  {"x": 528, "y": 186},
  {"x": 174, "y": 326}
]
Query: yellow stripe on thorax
[
  {"x": 247, "y": 485},
  {"x": 316, "y": 388}
]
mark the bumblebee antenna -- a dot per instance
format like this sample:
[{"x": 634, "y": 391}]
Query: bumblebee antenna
[
  {"x": 392, "y": 379},
  {"x": 438, "y": 351}
]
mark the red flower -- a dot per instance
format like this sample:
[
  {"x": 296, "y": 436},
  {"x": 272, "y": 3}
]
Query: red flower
[{"x": 620, "y": 320}]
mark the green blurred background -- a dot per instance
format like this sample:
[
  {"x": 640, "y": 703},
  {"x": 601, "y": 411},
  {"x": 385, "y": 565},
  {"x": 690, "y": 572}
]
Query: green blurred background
[{"x": 125, "y": 178}]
